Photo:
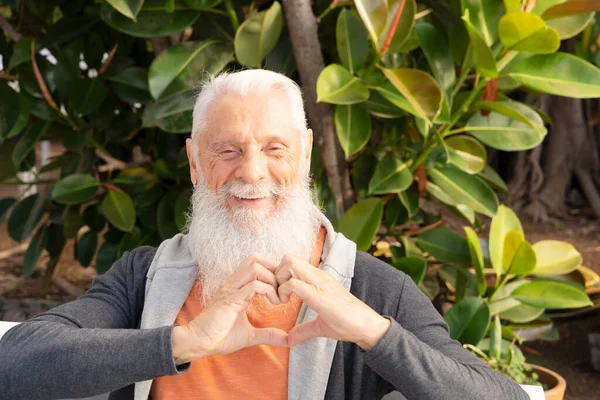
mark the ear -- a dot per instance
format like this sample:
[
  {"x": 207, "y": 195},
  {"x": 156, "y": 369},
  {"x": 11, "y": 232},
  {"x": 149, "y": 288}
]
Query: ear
[
  {"x": 189, "y": 148},
  {"x": 309, "y": 144}
]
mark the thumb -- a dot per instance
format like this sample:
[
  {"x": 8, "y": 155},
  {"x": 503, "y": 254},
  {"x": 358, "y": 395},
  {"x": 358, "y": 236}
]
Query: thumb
[
  {"x": 304, "y": 331},
  {"x": 269, "y": 336}
]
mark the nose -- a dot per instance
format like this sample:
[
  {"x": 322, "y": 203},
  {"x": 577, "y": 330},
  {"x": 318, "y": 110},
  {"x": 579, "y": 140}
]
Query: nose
[{"x": 253, "y": 168}]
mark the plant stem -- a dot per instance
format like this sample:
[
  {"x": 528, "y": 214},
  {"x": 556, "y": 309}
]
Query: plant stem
[{"x": 235, "y": 23}]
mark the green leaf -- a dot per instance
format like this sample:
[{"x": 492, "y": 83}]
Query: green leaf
[
  {"x": 468, "y": 320},
  {"x": 476, "y": 259},
  {"x": 466, "y": 189},
  {"x": 34, "y": 251},
  {"x": 403, "y": 26},
  {"x": 555, "y": 258},
  {"x": 118, "y": 208},
  {"x": 182, "y": 208},
  {"x": 25, "y": 216},
  {"x": 466, "y": 153},
  {"x": 131, "y": 85},
  {"x": 512, "y": 5},
  {"x": 185, "y": 66},
  {"x": 504, "y": 222},
  {"x": 75, "y": 189},
  {"x": 509, "y": 109},
  {"x": 27, "y": 142},
  {"x": 14, "y": 112},
  {"x": 203, "y": 4},
  {"x": 484, "y": 60},
  {"x": 559, "y": 73},
  {"x": 338, "y": 86},
  {"x": 414, "y": 267},
  {"x": 419, "y": 88},
  {"x": 445, "y": 246},
  {"x": 496, "y": 338},
  {"x": 129, "y": 8},
  {"x": 484, "y": 15},
  {"x": 258, "y": 35},
  {"x": 86, "y": 248},
  {"x": 353, "y": 127},
  {"x": 152, "y": 20},
  {"x": 504, "y": 133},
  {"x": 130, "y": 241},
  {"x": 87, "y": 95},
  {"x": 524, "y": 31},
  {"x": 361, "y": 221},
  {"x": 572, "y": 7},
  {"x": 391, "y": 176},
  {"x": 93, "y": 218},
  {"x": 521, "y": 313},
  {"x": 166, "y": 218},
  {"x": 351, "y": 40},
  {"x": 72, "y": 221},
  {"x": 393, "y": 96},
  {"x": 5, "y": 205},
  {"x": 524, "y": 259},
  {"x": 437, "y": 51},
  {"x": 56, "y": 240},
  {"x": 493, "y": 179},
  {"x": 410, "y": 200},
  {"x": 550, "y": 294},
  {"x": 378, "y": 106},
  {"x": 172, "y": 114},
  {"x": 70, "y": 28},
  {"x": 21, "y": 53},
  {"x": 566, "y": 25},
  {"x": 107, "y": 255},
  {"x": 374, "y": 14}
]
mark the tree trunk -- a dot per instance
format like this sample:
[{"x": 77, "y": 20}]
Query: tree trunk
[{"x": 302, "y": 26}]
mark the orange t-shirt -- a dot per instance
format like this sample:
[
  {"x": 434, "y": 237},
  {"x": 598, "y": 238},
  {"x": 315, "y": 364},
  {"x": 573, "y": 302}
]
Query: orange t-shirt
[{"x": 257, "y": 372}]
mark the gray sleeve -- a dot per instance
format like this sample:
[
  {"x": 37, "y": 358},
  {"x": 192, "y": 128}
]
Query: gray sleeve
[
  {"x": 418, "y": 357},
  {"x": 91, "y": 345}
]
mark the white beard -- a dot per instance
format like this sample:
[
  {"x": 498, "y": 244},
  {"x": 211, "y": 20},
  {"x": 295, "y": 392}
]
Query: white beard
[{"x": 223, "y": 238}]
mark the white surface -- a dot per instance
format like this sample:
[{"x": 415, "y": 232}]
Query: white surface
[{"x": 534, "y": 392}]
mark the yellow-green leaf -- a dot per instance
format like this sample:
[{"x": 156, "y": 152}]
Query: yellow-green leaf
[
  {"x": 524, "y": 31},
  {"x": 391, "y": 176},
  {"x": 351, "y": 40},
  {"x": 338, "y": 86},
  {"x": 476, "y": 259},
  {"x": 374, "y": 15},
  {"x": 504, "y": 222},
  {"x": 555, "y": 257},
  {"x": 484, "y": 60},
  {"x": 258, "y": 35},
  {"x": 361, "y": 221},
  {"x": 466, "y": 153},
  {"x": 551, "y": 294},
  {"x": 353, "y": 127}
]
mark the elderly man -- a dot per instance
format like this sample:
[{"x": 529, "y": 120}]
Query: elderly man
[{"x": 262, "y": 299}]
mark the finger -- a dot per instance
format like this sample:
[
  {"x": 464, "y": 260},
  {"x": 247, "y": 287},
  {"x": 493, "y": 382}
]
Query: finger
[
  {"x": 269, "y": 336},
  {"x": 304, "y": 331},
  {"x": 302, "y": 289},
  {"x": 248, "y": 272},
  {"x": 292, "y": 267},
  {"x": 257, "y": 258},
  {"x": 254, "y": 288}
]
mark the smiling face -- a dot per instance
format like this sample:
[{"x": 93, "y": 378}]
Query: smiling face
[{"x": 249, "y": 151}]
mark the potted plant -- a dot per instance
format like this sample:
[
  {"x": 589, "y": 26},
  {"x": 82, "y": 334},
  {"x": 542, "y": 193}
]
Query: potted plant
[{"x": 498, "y": 290}]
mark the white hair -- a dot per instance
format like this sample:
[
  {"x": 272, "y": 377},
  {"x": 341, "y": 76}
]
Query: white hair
[{"x": 243, "y": 83}]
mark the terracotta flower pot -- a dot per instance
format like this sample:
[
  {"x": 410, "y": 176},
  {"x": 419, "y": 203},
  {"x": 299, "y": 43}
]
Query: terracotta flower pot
[{"x": 556, "y": 384}]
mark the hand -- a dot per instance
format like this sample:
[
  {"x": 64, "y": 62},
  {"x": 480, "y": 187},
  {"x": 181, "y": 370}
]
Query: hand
[
  {"x": 223, "y": 327},
  {"x": 341, "y": 316}
]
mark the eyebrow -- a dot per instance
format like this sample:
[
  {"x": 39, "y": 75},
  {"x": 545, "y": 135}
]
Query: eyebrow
[{"x": 270, "y": 138}]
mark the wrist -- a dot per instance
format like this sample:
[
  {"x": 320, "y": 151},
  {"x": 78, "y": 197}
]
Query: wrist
[
  {"x": 183, "y": 344},
  {"x": 374, "y": 333}
]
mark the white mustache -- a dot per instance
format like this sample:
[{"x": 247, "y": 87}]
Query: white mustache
[{"x": 251, "y": 190}]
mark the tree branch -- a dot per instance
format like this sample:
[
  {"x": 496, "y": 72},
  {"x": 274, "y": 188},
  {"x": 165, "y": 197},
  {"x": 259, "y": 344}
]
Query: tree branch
[
  {"x": 9, "y": 30},
  {"x": 302, "y": 26}
]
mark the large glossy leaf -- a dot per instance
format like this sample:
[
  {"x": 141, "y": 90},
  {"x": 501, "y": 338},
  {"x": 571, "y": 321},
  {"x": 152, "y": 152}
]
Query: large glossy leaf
[
  {"x": 410, "y": 200},
  {"x": 71, "y": 222},
  {"x": 380, "y": 107},
  {"x": 419, "y": 89},
  {"x": 14, "y": 112},
  {"x": 118, "y": 208},
  {"x": 571, "y": 7},
  {"x": 555, "y": 257},
  {"x": 34, "y": 251},
  {"x": 476, "y": 259},
  {"x": 399, "y": 23},
  {"x": 484, "y": 14},
  {"x": 437, "y": 51},
  {"x": 483, "y": 58},
  {"x": 75, "y": 189},
  {"x": 353, "y": 127},
  {"x": 374, "y": 15},
  {"x": 559, "y": 73},
  {"x": 414, "y": 267},
  {"x": 338, "y": 86},
  {"x": 87, "y": 95},
  {"x": 21, "y": 53},
  {"x": 468, "y": 320},
  {"x": 466, "y": 189},
  {"x": 351, "y": 39},
  {"x": 493, "y": 179},
  {"x": 521, "y": 313},
  {"x": 183, "y": 67},
  {"x": 466, "y": 153},
  {"x": 361, "y": 221},
  {"x": 25, "y": 216},
  {"x": 5, "y": 205},
  {"x": 152, "y": 20},
  {"x": 507, "y": 108},
  {"x": 567, "y": 25},
  {"x": 391, "y": 176},
  {"x": 86, "y": 248},
  {"x": 550, "y": 294},
  {"x": 129, "y": 8},
  {"x": 131, "y": 85},
  {"x": 445, "y": 245},
  {"x": 28, "y": 141},
  {"x": 257, "y": 36},
  {"x": 505, "y": 133},
  {"x": 523, "y": 260},
  {"x": 504, "y": 222},
  {"x": 524, "y": 31},
  {"x": 172, "y": 114}
]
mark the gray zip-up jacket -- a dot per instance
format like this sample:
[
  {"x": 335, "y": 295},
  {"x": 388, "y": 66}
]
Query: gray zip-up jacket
[{"x": 117, "y": 338}]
